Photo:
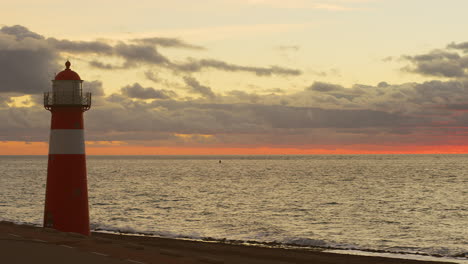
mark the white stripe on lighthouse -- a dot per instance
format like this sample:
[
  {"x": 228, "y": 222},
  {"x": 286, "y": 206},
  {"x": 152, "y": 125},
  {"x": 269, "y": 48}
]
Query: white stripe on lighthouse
[{"x": 66, "y": 141}]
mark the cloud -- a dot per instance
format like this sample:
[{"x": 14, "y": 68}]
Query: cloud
[
  {"x": 196, "y": 88},
  {"x": 135, "y": 54},
  {"x": 168, "y": 43},
  {"x": 140, "y": 53},
  {"x": 26, "y": 60},
  {"x": 104, "y": 66},
  {"x": 81, "y": 46},
  {"x": 95, "y": 87},
  {"x": 321, "y": 113},
  {"x": 391, "y": 114},
  {"x": 383, "y": 84},
  {"x": 287, "y": 117},
  {"x": 199, "y": 65},
  {"x": 459, "y": 46},
  {"x": 152, "y": 76},
  {"x": 144, "y": 51},
  {"x": 388, "y": 59},
  {"x": 241, "y": 96},
  {"x": 325, "y": 87},
  {"x": 43, "y": 52},
  {"x": 338, "y": 92},
  {"x": 24, "y": 124},
  {"x": 289, "y": 48},
  {"x": 139, "y": 92},
  {"x": 439, "y": 63},
  {"x": 20, "y": 32},
  {"x": 3, "y": 101},
  {"x": 373, "y": 115},
  {"x": 247, "y": 124}
]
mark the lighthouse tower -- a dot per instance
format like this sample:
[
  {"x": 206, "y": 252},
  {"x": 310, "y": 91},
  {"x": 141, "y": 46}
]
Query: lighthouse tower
[{"x": 66, "y": 202}]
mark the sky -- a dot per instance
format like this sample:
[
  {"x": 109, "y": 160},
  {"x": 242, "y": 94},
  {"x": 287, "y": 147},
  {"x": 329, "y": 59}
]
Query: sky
[{"x": 220, "y": 77}]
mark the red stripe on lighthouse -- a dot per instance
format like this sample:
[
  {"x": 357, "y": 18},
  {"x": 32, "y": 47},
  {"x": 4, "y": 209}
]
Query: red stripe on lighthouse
[
  {"x": 67, "y": 118},
  {"x": 66, "y": 206}
]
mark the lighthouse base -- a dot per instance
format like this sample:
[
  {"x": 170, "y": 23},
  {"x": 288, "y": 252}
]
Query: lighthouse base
[{"x": 66, "y": 205}]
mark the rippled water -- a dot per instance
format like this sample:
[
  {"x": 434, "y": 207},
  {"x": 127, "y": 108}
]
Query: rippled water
[{"x": 394, "y": 203}]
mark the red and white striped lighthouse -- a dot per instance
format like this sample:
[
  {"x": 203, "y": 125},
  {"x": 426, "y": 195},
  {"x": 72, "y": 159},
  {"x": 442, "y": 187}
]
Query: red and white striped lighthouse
[{"x": 66, "y": 202}]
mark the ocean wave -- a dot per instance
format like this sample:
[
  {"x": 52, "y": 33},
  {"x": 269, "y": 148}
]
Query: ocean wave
[{"x": 291, "y": 242}]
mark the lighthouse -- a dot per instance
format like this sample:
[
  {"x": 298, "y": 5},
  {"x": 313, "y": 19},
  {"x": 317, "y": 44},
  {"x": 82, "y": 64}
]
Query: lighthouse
[{"x": 66, "y": 201}]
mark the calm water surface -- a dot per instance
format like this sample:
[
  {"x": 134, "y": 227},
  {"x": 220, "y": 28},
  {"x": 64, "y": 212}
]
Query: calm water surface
[{"x": 395, "y": 203}]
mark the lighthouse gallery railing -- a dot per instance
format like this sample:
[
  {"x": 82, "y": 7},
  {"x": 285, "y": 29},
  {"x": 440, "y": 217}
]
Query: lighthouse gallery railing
[{"x": 52, "y": 99}]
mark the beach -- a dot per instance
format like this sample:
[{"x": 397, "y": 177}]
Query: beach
[{"x": 30, "y": 244}]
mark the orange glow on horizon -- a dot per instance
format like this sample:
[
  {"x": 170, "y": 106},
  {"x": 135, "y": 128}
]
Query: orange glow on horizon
[
  {"x": 119, "y": 148},
  {"x": 23, "y": 148}
]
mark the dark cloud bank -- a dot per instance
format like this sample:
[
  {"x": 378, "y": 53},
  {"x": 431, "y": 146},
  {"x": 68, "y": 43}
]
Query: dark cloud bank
[
  {"x": 429, "y": 113},
  {"x": 29, "y": 60},
  {"x": 441, "y": 63}
]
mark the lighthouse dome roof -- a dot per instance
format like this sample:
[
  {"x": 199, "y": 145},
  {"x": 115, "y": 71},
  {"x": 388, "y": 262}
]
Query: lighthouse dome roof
[{"x": 68, "y": 74}]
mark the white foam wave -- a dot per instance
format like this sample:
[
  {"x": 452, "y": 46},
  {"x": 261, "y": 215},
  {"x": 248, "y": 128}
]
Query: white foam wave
[{"x": 292, "y": 242}]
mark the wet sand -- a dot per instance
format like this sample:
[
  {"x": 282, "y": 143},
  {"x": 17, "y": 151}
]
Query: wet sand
[{"x": 29, "y": 244}]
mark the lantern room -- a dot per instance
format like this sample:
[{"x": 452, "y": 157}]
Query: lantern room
[{"x": 67, "y": 91}]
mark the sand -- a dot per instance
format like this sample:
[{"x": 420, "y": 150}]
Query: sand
[{"x": 29, "y": 244}]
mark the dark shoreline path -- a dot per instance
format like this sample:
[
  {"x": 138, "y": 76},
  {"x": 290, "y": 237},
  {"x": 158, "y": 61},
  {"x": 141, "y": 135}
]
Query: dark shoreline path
[{"x": 29, "y": 244}]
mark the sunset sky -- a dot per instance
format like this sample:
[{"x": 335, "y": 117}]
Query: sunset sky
[{"x": 241, "y": 76}]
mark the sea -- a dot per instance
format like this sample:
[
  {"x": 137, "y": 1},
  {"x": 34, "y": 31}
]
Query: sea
[{"x": 412, "y": 205}]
